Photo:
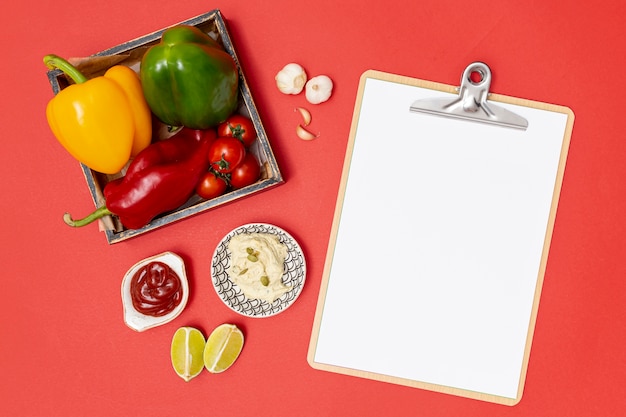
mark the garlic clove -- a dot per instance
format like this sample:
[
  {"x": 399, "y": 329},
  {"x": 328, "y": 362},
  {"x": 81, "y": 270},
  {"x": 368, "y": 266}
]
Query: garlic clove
[
  {"x": 291, "y": 79},
  {"x": 305, "y": 134},
  {"x": 306, "y": 115},
  {"x": 318, "y": 89}
]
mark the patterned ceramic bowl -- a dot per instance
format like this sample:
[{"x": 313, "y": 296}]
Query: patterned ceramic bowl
[{"x": 294, "y": 274}]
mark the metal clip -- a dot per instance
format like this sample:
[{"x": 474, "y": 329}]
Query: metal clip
[{"x": 471, "y": 104}]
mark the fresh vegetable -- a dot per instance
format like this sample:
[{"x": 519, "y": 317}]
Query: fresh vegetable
[
  {"x": 245, "y": 173},
  {"x": 101, "y": 121},
  {"x": 189, "y": 79},
  {"x": 291, "y": 79},
  {"x": 305, "y": 134},
  {"x": 211, "y": 185},
  {"x": 225, "y": 153},
  {"x": 240, "y": 127},
  {"x": 318, "y": 89},
  {"x": 306, "y": 115},
  {"x": 160, "y": 178}
]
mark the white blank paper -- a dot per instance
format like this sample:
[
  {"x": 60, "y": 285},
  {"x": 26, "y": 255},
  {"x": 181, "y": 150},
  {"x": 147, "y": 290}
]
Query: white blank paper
[{"x": 439, "y": 244}]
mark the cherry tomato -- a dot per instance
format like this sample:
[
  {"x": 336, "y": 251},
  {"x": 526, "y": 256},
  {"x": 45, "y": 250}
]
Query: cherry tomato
[
  {"x": 211, "y": 185},
  {"x": 246, "y": 173},
  {"x": 225, "y": 154},
  {"x": 240, "y": 127}
]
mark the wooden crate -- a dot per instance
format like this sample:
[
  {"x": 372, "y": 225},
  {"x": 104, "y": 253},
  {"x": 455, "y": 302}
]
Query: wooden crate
[{"x": 130, "y": 54}]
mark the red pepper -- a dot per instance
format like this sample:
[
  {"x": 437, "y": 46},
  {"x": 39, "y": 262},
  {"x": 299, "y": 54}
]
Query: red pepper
[{"x": 160, "y": 178}]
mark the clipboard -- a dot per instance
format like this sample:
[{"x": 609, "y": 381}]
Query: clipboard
[{"x": 441, "y": 235}]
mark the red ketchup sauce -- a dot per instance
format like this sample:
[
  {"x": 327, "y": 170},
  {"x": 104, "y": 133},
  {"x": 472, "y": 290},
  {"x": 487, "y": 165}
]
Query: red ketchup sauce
[{"x": 155, "y": 289}]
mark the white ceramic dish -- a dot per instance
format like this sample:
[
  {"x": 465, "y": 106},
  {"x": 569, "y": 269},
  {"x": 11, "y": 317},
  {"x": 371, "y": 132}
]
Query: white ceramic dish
[
  {"x": 140, "y": 322},
  {"x": 294, "y": 274}
]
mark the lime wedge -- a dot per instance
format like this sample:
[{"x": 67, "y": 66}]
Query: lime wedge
[
  {"x": 222, "y": 348},
  {"x": 186, "y": 352}
]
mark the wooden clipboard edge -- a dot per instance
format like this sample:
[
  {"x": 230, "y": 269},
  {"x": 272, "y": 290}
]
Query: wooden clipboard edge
[{"x": 319, "y": 311}]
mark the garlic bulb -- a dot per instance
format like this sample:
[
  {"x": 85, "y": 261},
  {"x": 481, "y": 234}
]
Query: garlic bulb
[
  {"x": 318, "y": 89},
  {"x": 291, "y": 79}
]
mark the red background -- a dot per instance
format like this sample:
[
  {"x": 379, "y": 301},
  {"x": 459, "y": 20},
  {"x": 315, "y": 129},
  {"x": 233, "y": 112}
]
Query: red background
[{"x": 64, "y": 349}]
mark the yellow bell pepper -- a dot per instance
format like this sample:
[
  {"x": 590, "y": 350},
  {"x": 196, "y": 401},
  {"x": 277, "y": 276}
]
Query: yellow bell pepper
[{"x": 102, "y": 121}]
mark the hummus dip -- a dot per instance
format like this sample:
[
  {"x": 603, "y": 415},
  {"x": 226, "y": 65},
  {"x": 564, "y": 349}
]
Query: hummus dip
[{"x": 257, "y": 265}]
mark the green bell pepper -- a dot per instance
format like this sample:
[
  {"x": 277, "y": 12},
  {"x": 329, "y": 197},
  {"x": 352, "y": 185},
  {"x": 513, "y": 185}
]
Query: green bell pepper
[{"x": 189, "y": 80}]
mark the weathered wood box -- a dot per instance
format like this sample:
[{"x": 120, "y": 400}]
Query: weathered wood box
[{"x": 130, "y": 54}]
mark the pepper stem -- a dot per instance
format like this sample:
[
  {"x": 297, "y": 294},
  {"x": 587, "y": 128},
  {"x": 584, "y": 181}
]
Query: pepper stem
[
  {"x": 54, "y": 61},
  {"x": 97, "y": 214}
]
